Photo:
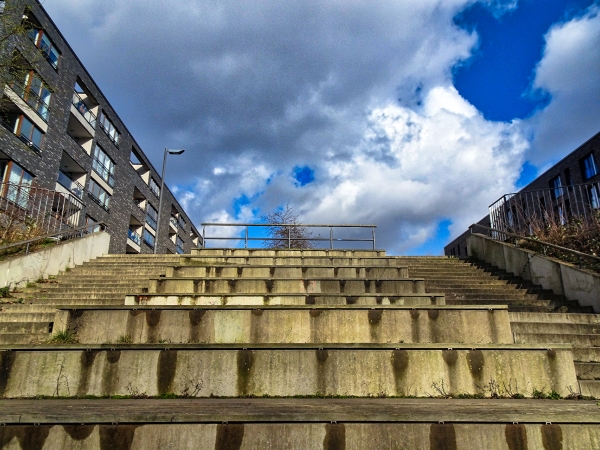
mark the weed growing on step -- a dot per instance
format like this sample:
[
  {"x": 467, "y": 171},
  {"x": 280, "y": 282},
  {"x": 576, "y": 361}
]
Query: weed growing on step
[
  {"x": 125, "y": 339},
  {"x": 63, "y": 337},
  {"x": 5, "y": 292}
]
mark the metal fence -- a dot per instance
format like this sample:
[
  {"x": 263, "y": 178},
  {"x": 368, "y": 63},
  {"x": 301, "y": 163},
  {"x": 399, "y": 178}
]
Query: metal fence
[
  {"x": 288, "y": 235},
  {"x": 522, "y": 211},
  {"x": 47, "y": 210}
]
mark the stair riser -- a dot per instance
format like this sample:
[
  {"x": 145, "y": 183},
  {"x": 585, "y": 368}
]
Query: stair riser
[
  {"x": 233, "y": 373},
  {"x": 293, "y": 326},
  {"x": 287, "y": 272},
  {"x": 243, "y": 286},
  {"x": 260, "y": 300}
]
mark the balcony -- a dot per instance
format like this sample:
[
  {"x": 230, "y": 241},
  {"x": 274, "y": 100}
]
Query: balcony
[
  {"x": 135, "y": 237},
  {"x": 173, "y": 223},
  {"x": 84, "y": 110},
  {"x": 73, "y": 186},
  {"x": 36, "y": 103},
  {"x": 99, "y": 202},
  {"x": 105, "y": 173},
  {"x": 151, "y": 221}
]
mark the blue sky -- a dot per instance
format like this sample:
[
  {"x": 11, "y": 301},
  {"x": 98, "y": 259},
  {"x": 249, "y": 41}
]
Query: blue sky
[{"x": 412, "y": 115}]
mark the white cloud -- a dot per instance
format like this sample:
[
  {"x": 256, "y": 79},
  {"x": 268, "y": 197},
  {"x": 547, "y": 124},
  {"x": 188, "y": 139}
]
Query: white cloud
[
  {"x": 569, "y": 72},
  {"x": 360, "y": 91}
]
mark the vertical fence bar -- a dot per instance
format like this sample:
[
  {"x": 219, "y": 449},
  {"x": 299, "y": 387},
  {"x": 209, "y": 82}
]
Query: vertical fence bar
[
  {"x": 204, "y": 237},
  {"x": 373, "y": 234},
  {"x": 246, "y": 238},
  {"x": 331, "y": 238},
  {"x": 289, "y": 230}
]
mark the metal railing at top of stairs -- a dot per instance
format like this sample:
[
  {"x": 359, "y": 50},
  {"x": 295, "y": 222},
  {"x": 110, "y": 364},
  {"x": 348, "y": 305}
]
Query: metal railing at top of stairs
[
  {"x": 289, "y": 239},
  {"x": 499, "y": 236},
  {"x": 59, "y": 236}
]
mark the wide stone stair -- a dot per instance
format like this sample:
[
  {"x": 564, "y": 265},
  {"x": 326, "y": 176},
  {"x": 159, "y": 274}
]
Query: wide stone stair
[{"x": 298, "y": 349}]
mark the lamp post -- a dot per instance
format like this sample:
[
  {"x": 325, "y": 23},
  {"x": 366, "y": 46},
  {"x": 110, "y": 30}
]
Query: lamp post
[{"x": 162, "y": 187}]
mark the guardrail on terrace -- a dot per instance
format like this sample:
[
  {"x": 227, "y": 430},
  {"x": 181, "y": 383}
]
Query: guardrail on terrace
[
  {"x": 518, "y": 211},
  {"x": 289, "y": 238}
]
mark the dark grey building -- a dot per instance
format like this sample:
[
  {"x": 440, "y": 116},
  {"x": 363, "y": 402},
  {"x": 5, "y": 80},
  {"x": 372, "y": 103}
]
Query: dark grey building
[
  {"x": 61, "y": 134},
  {"x": 570, "y": 187}
]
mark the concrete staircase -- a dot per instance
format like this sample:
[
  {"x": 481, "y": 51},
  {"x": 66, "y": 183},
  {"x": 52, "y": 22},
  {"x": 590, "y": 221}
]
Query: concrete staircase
[{"x": 293, "y": 349}]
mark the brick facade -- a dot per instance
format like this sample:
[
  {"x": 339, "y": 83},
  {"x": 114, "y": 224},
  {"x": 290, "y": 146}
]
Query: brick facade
[{"x": 59, "y": 145}]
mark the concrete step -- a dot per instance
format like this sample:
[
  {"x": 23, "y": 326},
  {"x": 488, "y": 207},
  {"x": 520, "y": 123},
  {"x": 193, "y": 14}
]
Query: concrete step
[
  {"x": 554, "y": 318},
  {"x": 291, "y": 261},
  {"x": 586, "y": 354},
  {"x": 579, "y": 340},
  {"x": 255, "y": 271},
  {"x": 590, "y": 388},
  {"x": 25, "y": 327},
  {"x": 286, "y": 370},
  {"x": 6, "y": 316},
  {"x": 286, "y": 252},
  {"x": 23, "y": 338},
  {"x": 166, "y": 299},
  {"x": 300, "y": 324},
  {"x": 285, "y": 285},
  {"x": 587, "y": 371},
  {"x": 555, "y": 328}
]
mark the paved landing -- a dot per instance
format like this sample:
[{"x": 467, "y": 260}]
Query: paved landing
[{"x": 297, "y": 410}]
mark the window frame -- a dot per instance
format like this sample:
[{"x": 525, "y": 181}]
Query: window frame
[
  {"x": 109, "y": 177},
  {"x": 588, "y": 165},
  {"x": 105, "y": 204},
  {"x": 37, "y": 34},
  {"x": 109, "y": 128}
]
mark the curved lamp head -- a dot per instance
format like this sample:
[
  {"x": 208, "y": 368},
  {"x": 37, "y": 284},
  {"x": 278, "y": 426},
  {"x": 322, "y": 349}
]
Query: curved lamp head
[{"x": 174, "y": 152}]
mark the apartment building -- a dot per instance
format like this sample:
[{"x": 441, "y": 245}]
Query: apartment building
[
  {"x": 569, "y": 188},
  {"x": 61, "y": 134}
]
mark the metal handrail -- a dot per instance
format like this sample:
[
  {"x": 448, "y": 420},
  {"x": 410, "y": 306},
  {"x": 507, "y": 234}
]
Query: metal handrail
[
  {"x": 289, "y": 239},
  {"x": 26, "y": 94},
  {"x": 102, "y": 226},
  {"x": 87, "y": 114},
  {"x": 537, "y": 241}
]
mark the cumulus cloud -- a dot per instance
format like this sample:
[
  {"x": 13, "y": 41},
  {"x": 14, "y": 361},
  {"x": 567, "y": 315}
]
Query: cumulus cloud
[
  {"x": 359, "y": 91},
  {"x": 569, "y": 72}
]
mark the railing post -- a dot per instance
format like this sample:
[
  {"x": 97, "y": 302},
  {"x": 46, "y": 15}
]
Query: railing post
[
  {"x": 27, "y": 249},
  {"x": 373, "y": 234},
  {"x": 246, "y": 240},
  {"x": 331, "y": 238},
  {"x": 203, "y": 237},
  {"x": 289, "y": 238}
]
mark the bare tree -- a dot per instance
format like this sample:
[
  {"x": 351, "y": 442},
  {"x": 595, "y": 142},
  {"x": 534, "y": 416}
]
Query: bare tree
[{"x": 294, "y": 236}]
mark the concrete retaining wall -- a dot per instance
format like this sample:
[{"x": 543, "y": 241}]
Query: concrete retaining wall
[
  {"x": 293, "y": 326},
  {"x": 302, "y": 436},
  {"x": 562, "y": 278},
  {"x": 423, "y": 371},
  {"x": 53, "y": 260}
]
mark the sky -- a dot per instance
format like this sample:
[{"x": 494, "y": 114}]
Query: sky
[{"x": 413, "y": 115}]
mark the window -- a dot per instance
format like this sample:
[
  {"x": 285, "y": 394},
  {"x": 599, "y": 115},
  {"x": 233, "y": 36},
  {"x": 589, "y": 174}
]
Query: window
[
  {"x": 181, "y": 221},
  {"x": 104, "y": 166},
  {"x": 109, "y": 128},
  {"x": 98, "y": 194},
  {"x": 35, "y": 92},
  {"x": 154, "y": 187},
  {"x": 41, "y": 40},
  {"x": 151, "y": 216},
  {"x": 148, "y": 238},
  {"x": 93, "y": 227},
  {"x": 179, "y": 245},
  {"x": 594, "y": 196},
  {"x": 19, "y": 184},
  {"x": 29, "y": 133},
  {"x": 588, "y": 167},
  {"x": 556, "y": 185}
]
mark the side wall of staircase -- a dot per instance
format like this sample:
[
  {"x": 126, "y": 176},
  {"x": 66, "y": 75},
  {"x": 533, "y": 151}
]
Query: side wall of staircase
[{"x": 563, "y": 279}]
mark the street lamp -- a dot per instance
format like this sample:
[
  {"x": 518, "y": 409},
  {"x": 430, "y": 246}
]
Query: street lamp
[{"x": 162, "y": 187}]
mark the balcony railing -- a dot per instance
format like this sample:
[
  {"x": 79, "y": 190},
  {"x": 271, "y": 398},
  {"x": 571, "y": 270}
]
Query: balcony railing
[
  {"x": 105, "y": 173},
  {"x": 173, "y": 221},
  {"x": 151, "y": 221},
  {"x": 135, "y": 237},
  {"x": 99, "y": 202},
  {"x": 84, "y": 110},
  {"x": 32, "y": 99},
  {"x": 73, "y": 186}
]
